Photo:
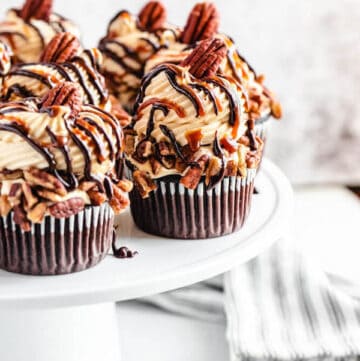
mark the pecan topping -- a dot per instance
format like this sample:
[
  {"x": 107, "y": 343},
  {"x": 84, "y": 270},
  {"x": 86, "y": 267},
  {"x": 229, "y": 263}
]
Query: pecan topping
[
  {"x": 66, "y": 93},
  {"x": 193, "y": 175},
  {"x": 37, "y": 9},
  {"x": 62, "y": 48},
  {"x": 5, "y": 206},
  {"x": 205, "y": 59},
  {"x": 276, "y": 109},
  {"x": 42, "y": 179},
  {"x": 20, "y": 218},
  {"x": 37, "y": 213},
  {"x": 119, "y": 112},
  {"x": 152, "y": 16},
  {"x": 67, "y": 208},
  {"x": 143, "y": 183},
  {"x": 203, "y": 23}
]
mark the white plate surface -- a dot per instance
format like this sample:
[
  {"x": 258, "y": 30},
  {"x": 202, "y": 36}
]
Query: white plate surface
[{"x": 162, "y": 264}]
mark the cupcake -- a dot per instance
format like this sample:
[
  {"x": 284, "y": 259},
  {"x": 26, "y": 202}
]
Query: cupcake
[
  {"x": 5, "y": 62},
  {"x": 62, "y": 60},
  {"x": 129, "y": 42},
  {"x": 60, "y": 183},
  {"x": 29, "y": 29},
  {"x": 189, "y": 150},
  {"x": 203, "y": 23}
]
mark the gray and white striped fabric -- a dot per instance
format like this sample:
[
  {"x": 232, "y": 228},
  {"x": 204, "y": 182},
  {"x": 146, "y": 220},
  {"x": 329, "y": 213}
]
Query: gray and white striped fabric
[{"x": 278, "y": 306}]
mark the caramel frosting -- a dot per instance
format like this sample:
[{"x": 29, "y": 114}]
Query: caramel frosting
[
  {"x": 28, "y": 38},
  {"x": 36, "y": 79},
  {"x": 126, "y": 48},
  {"x": 57, "y": 150}
]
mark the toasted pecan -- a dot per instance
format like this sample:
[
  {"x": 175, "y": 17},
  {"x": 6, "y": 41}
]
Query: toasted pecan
[
  {"x": 143, "y": 183},
  {"x": 152, "y": 16},
  {"x": 205, "y": 59},
  {"x": 62, "y": 48},
  {"x": 203, "y": 23},
  {"x": 66, "y": 93},
  {"x": 67, "y": 208},
  {"x": 37, "y": 9}
]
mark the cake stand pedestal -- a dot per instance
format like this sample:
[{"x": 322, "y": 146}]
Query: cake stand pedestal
[{"x": 73, "y": 317}]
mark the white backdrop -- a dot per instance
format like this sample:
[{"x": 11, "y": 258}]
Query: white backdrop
[{"x": 310, "y": 52}]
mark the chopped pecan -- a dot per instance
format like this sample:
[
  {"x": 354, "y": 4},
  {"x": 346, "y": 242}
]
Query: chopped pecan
[
  {"x": 194, "y": 173},
  {"x": 143, "y": 183},
  {"x": 155, "y": 165},
  {"x": 9, "y": 175},
  {"x": 87, "y": 185},
  {"x": 15, "y": 194},
  {"x": 213, "y": 168},
  {"x": 20, "y": 218},
  {"x": 37, "y": 213},
  {"x": 203, "y": 23},
  {"x": 121, "y": 198},
  {"x": 37, "y": 177},
  {"x": 152, "y": 16},
  {"x": 144, "y": 149},
  {"x": 229, "y": 144},
  {"x": 37, "y": 9},
  {"x": 62, "y": 48},
  {"x": 231, "y": 168},
  {"x": 30, "y": 198},
  {"x": 165, "y": 148},
  {"x": 125, "y": 185},
  {"x": 49, "y": 195},
  {"x": 205, "y": 59},
  {"x": 66, "y": 93},
  {"x": 5, "y": 205},
  {"x": 97, "y": 198},
  {"x": 67, "y": 208}
]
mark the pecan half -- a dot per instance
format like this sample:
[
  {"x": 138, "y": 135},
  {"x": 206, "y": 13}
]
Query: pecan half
[
  {"x": 20, "y": 218},
  {"x": 205, "y": 59},
  {"x": 66, "y": 93},
  {"x": 143, "y": 183},
  {"x": 203, "y": 23},
  {"x": 152, "y": 16},
  {"x": 67, "y": 208},
  {"x": 37, "y": 177},
  {"x": 62, "y": 48},
  {"x": 37, "y": 9}
]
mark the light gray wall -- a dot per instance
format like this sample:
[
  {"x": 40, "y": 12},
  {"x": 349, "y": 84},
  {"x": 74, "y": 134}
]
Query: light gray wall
[{"x": 310, "y": 52}]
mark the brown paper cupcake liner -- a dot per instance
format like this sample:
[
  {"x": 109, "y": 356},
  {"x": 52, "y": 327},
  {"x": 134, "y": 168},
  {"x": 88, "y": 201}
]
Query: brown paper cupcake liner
[
  {"x": 177, "y": 212},
  {"x": 57, "y": 246}
]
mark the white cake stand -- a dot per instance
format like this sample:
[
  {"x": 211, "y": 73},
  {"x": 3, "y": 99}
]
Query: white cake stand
[{"x": 73, "y": 317}]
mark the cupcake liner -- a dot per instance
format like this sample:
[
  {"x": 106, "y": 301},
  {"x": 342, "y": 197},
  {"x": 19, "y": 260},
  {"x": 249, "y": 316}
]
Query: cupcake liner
[
  {"x": 57, "y": 246},
  {"x": 177, "y": 212},
  {"x": 262, "y": 127}
]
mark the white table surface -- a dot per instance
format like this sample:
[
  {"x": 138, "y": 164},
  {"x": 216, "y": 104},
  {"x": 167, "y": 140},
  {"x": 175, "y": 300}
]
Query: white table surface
[{"x": 326, "y": 225}]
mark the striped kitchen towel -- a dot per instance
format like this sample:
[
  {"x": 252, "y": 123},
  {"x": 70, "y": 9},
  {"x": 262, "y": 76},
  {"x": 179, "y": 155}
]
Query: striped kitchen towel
[{"x": 278, "y": 306}]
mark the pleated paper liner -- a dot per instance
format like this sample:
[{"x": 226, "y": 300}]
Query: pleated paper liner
[
  {"x": 174, "y": 211},
  {"x": 57, "y": 246},
  {"x": 262, "y": 127}
]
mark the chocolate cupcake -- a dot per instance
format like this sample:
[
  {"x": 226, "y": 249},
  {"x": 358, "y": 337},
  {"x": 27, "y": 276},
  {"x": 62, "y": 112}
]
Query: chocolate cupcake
[
  {"x": 203, "y": 23},
  {"x": 29, "y": 29},
  {"x": 189, "y": 150},
  {"x": 60, "y": 165},
  {"x": 62, "y": 60},
  {"x": 129, "y": 42}
]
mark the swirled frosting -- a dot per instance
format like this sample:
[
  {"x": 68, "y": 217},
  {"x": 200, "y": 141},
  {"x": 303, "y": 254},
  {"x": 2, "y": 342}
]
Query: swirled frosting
[
  {"x": 191, "y": 117},
  {"x": 29, "y": 38},
  {"x": 36, "y": 79},
  {"x": 87, "y": 146},
  {"x": 126, "y": 49}
]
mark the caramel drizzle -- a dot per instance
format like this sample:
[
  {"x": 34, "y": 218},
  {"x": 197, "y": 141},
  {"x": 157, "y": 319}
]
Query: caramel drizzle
[
  {"x": 120, "y": 61},
  {"x": 83, "y": 132},
  {"x": 63, "y": 71},
  {"x": 180, "y": 111}
]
